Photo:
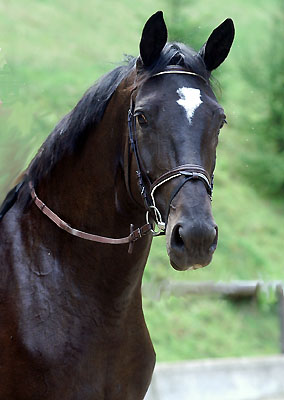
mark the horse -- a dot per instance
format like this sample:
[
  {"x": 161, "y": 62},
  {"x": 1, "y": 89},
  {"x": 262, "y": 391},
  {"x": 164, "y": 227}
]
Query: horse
[{"x": 134, "y": 159}]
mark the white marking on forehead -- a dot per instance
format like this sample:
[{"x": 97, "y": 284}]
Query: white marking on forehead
[{"x": 190, "y": 100}]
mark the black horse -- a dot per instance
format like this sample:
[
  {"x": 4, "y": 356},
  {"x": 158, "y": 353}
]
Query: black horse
[{"x": 71, "y": 319}]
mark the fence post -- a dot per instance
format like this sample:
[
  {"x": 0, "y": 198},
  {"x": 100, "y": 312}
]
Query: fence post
[{"x": 280, "y": 297}]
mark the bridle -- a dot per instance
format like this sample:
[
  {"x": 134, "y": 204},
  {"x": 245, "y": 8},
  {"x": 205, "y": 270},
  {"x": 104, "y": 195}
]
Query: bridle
[{"x": 187, "y": 171}]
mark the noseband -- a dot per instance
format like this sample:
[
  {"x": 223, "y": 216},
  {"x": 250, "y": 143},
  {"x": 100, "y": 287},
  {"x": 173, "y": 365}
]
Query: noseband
[{"x": 187, "y": 171}]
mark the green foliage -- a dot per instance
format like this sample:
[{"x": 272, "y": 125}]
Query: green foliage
[
  {"x": 266, "y": 159},
  {"x": 180, "y": 18}
]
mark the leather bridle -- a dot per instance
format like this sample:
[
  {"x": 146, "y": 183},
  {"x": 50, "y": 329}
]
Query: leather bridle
[{"x": 187, "y": 172}]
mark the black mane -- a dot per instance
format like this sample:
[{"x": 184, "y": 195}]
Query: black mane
[{"x": 71, "y": 132}]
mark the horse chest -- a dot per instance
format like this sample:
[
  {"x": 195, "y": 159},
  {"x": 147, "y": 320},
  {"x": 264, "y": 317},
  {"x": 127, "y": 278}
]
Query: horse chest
[
  {"x": 63, "y": 355},
  {"x": 81, "y": 368}
]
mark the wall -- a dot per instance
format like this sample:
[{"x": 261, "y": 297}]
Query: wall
[{"x": 260, "y": 378}]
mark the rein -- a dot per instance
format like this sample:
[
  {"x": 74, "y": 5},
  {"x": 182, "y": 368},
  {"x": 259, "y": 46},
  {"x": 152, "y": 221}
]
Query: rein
[
  {"x": 131, "y": 238},
  {"x": 188, "y": 171}
]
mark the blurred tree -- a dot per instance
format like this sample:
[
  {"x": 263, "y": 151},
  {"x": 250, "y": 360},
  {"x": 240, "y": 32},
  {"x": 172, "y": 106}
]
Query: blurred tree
[
  {"x": 266, "y": 161},
  {"x": 185, "y": 26},
  {"x": 276, "y": 96}
]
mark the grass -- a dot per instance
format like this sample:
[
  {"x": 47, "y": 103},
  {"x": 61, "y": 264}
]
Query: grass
[
  {"x": 192, "y": 327},
  {"x": 52, "y": 51}
]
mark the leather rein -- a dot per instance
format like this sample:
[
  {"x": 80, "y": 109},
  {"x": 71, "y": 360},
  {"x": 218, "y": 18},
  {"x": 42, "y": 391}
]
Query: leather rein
[{"x": 188, "y": 171}]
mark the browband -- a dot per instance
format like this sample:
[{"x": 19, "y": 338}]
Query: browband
[{"x": 173, "y": 69}]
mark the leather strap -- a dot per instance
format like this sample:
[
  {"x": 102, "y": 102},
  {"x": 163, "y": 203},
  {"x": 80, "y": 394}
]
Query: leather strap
[
  {"x": 186, "y": 169},
  {"x": 130, "y": 239},
  {"x": 174, "y": 69},
  {"x": 189, "y": 172}
]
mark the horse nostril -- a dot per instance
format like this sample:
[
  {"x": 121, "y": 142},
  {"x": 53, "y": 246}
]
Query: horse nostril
[
  {"x": 213, "y": 246},
  {"x": 188, "y": 239},
  {"x": 177, "y": 240}
]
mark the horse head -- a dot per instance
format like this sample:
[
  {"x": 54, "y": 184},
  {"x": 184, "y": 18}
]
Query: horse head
[{"x": 174, "y": 127}]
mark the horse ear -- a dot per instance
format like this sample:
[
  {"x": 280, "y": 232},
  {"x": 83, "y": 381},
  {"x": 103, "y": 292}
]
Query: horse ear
[
  {"x": 154, "y": 38},
  {"x": 218, "y": 45}
]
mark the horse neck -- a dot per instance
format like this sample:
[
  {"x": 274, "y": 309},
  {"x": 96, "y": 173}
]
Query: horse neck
[{"x": 88, "y": 191}]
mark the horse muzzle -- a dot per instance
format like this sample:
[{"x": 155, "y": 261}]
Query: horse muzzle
[{"x": 192, "y": 233}]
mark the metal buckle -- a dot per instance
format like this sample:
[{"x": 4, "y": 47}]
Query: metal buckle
[{"x": 158, "y": 223}]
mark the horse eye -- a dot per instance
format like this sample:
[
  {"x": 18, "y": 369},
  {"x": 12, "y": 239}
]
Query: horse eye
[{"x": 142, "y": 120}]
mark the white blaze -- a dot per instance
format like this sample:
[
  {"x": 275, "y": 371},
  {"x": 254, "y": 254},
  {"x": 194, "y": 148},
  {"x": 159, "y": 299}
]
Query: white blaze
[{"x": 190, "y": 100}]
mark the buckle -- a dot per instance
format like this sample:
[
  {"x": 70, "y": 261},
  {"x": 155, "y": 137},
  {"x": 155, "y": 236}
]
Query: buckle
[{"x": 157, "y": 223}]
